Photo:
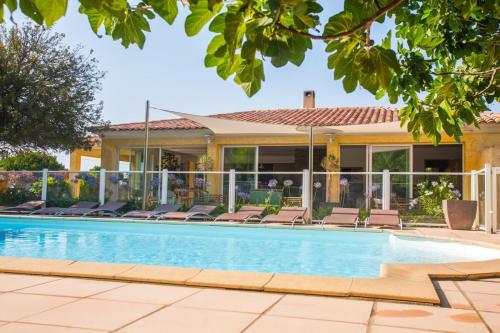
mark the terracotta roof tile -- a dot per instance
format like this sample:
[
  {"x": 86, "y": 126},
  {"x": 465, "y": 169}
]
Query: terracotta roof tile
[{"x": 317, "y": 117}]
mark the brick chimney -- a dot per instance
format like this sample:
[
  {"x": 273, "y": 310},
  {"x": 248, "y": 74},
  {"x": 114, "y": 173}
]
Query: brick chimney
[{"x": 309, "y": 99}]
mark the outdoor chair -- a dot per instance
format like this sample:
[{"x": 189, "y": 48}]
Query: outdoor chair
[
  {"x": 287, "y": 215},
  {"x": 198, "y": 212},
  {"x": 342, "y": 216},
  {"x": 108, "y": 209},
  {"x": 26, "y": 207},
  {"x": 57, "y": 210},
  {"x": 244, "y": 214},
  {"x": 380, "y": 217},
  {"x": 147, "y": 214}
]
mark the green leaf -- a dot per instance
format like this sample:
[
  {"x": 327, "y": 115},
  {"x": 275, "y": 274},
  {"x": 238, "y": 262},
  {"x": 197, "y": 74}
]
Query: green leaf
[
  {"x": 167, "y": 9},
  {"x": 94, "y": 17},
  {"x": 200, "y": 15},
  {"x": 51, "y": 10},
  {"x": 338, "y": 23},
  {"x": 250, "y": 76},
  {"x": 29, "y": 9},
  {"x": 233, "y": 32}
]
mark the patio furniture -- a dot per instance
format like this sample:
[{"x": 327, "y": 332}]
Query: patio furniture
[
  {"x": 292, "y": 201},
  {"x": 244, "y": 214},
  {"x": 342, "y": 216},
  {"x": 381, "y": 217},
  {"x": 25, "y": 207},
  {"x": 287, "y": 215},
  {"x": 57, "y": 210},
  {"x": 146, "y": 214},
  {"x": 108, "y": 209},
  {"x": 199, "y": 212}
]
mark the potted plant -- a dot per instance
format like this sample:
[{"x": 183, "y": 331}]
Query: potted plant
[{"x": 440, "y": 198}]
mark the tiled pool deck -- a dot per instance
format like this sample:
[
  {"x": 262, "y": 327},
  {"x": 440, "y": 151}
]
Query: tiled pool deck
[
  {"x": 55, "y": 298},
  {"x": 36, "y": 304}
]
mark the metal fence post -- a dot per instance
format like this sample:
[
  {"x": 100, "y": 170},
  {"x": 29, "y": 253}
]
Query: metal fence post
[
  {"x": 305, "y": 189},
  {"x": 164, "y": 187},
  {"x": 386, "y": 190},
  {"x": 232, "y": 191},
  {"x": 102, "y": 186},
  {"x": 45, "y": 176},
  {"x": 487, "y": 198},
  {"x": 474, "y": 196}
]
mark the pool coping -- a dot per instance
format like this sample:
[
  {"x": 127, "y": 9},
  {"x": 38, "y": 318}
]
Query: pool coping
[{"x": 398, "y": 281}]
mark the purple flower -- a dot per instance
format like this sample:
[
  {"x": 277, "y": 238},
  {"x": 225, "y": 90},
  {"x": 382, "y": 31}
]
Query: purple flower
[
  {"x": 179, "y": 181},
  {"x": 288, "y": 182},
  {"x": 272, "y": 183},
  {"x": 317, "y": 185},
  {"x": 59, "y": 177},
  {"x": 243, "y": 195},
  {"x": 114, "y": 180},
  {"x": 344, "y": 181},
  {"x": 199, "y": 182},
  {"x": 155, "y": 181},
  {"x": 456, "y": 193}
]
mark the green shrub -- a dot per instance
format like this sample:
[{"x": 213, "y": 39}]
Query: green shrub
[
  {"x": 32, "y": 161},
  {"x": 432, "y": 193}
]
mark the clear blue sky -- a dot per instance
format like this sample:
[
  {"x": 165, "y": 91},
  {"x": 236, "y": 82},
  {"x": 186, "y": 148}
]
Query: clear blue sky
[{"x": 170, "y": 72}]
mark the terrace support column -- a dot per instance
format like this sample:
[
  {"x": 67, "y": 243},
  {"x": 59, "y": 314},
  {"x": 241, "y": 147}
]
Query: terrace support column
[
  {"x": 332, "y": 181},
  {"x": 215, "y": 180}
]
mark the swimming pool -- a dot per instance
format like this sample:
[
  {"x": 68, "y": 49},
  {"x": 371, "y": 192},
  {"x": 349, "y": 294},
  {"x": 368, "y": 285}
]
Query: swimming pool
[{"x": 278, "y": 250}]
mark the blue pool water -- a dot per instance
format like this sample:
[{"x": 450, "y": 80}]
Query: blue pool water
[{"x": 314, "y": 252}]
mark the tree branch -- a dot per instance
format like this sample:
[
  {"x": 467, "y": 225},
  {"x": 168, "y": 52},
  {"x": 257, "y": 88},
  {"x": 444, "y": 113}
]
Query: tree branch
[
  {"x": 363, "y": 24},
  {"x": 479, "y": 73},
  {"x": 493, "y": 74}
]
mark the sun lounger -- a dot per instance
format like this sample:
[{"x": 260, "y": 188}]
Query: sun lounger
[
  {"x": 109, "y": 209},
  {"x": 244, "y": 214},
  {"x": 380, "y": 217},
  {"x": 147, "y": 214},
  {"x": 342, "y": 216},
  {"x": 26, "y": 207},
  {"x": 198, "y": 212},
  {"x": 58, "y": 210},
  {"x": 286, "y": 215}
]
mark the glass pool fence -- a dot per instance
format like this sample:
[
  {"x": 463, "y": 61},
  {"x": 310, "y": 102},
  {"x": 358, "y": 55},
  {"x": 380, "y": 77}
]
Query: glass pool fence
[{"x": 416, "y": 195}]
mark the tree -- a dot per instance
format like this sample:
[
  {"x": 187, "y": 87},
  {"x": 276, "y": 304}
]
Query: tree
[
  {"x": 47, "y": 92},
  {"x": 31, "y": 161},
  {"x": 440, "y": 57}
]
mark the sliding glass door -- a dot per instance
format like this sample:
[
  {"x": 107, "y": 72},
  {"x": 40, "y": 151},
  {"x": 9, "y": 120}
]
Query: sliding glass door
[
  {"x": 240, "y": 159},
  {"x": 395, "y": 159}
]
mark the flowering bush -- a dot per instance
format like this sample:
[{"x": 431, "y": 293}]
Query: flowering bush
[
  {"x": 344, "y": 190},
  {"x": 432, "y": 193}
]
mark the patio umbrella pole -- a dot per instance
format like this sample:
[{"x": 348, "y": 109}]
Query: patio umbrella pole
[
  {"x": 311, "y": 181},
  {"x": 145, "y": 157}
]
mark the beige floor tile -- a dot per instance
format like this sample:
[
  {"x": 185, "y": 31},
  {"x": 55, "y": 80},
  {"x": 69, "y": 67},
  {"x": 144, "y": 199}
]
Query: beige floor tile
[
  {"x": 92, "y": 269},
  {"x": 478, "y": 269},
  {"x": 35, "y": 328},
  {"x": 417, "y": 271},
  {"x": 272, "y": 324},
  {"x": 148, "y": 293},
  {"x": 485, "y": 302},
  {"x": 457, "y": 300},
  {"x": 162, "y": 274},
  {"x": 388, "y": 329},
  {"x": 230, "y": 279},
  {"x": 33, "y": 265},
  {"x": 480, "y": 287},
  {"x": 16, "y": 306},
  {"x": 73, "y": 287},
  {"x": 447, "y": 285},
  {"x": 491, "y": 280},
  {"x": 93, "y": 314},
  {"x": 231, "y": 300},
  {"x": 326, "y": 308},
  {"x": 427, "y": 318},
  {"x": 305, "y": 284},
  {"x": 187, "y": 320},
  {"x": 9, "y": 282},
  {"x": 395, "y": 289},
  {"x": 492, "y": 320},
  {"x": 6, "y": 259}
]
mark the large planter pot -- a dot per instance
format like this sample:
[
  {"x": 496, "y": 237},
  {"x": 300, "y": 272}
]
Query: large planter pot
[{"x": 460, "y": 214}]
